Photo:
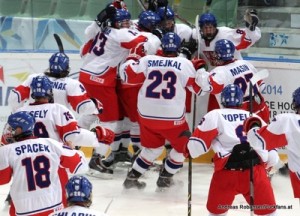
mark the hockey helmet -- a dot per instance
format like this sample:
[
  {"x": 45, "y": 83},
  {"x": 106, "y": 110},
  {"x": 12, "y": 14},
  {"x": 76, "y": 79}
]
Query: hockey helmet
[
  {"x": 41, "y": 86},
  {"x": 170, "y": 42},
  {"x": 148, "y": 20},
  {"x": 232, "y": 96},
  {"x": 296, "y": 99},
  {"x": 167, "y": 17},
  {"x": 206, "y": 19},
  {"x": 58, "y": 64},
  {"x": 22, "y": 120},
  {"x": 121, "y": 19},
  {"x": 224, "y": 49},
  {"x": 79, "y": 189}
]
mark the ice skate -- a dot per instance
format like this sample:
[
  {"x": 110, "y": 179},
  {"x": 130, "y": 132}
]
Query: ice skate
[
  {"x": 98, "y": 169},
  {"x": 131, "y": 180},
  {"x": 164, "y": 181}
]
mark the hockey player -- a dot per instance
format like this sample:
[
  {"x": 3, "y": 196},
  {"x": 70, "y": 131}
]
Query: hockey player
[
  {"x": 284, "y": 130},
  {"x": 98, "y": 73},
  {"x": 56, "y": 121},
  {"x": 209, "y": 34},
  {"x": 161, "y": 109},
  {"x": 222, "y": 131},
  {"x": 168, "y": 24},
  {"x": 232, "y": 71},
  {"x": 66, "y": 91},
  {"x": 127, "y": 93},
  {"x": 79, "y": 195},
  {"x": 32, "y": 165}
]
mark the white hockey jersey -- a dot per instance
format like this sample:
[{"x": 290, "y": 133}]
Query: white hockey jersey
[
  {"x": 32, "y": 165},
  {"x": 284, "y": 130},
  {"x": 57, "y": 122},
  {"x": 108, "y": 49},
  {"x": 77, "y": 210},
  {"x": 66, "y": 91},
  {"x": 241, "y": 38},
  {"x": 221, "y": 130},
  {"x": 237, "y": 72},
  {"x": 162, "y": 95}
]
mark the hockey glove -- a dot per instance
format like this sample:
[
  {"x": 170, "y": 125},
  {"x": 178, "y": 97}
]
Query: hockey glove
[
  {"x": 98, "y": 105},
  {"x": 250, "y": 123},
  {"x": 105, "y": 14},
  {"x": 251, "y": 19},
  {"x": 119, "y": 4},
  {"x": 155, "y": 4},
  {"x": 199, "y": 63},
  {"x": 104, "y": 135},
  {"x": 158, "y": 32},
  {"x": 188, "y": 48}
]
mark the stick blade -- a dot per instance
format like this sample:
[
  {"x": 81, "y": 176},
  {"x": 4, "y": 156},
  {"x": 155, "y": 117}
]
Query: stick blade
[
  {"x": 59, "y": 43},
  {"x": 260, "y": 75}
]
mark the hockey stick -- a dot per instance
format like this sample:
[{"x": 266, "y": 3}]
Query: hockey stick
[
  {"x": 198, "y": 34},
  {"x": 108, "y": 205},
  {"x": 59, "y": 43},
  {"x": 176, "y": 15},
  {"x": 256, "y": 77}
]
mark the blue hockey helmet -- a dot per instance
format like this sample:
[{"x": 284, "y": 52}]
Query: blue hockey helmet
[
  {"x": 121, "y": 16},
  {"x": 22, "y": 120},
  {"x": 167, "y": 17},
  {"x": 166, "y": 13},
  {"x": 296, "y": 99},
  {"x": 58, "y": 64},
  {"x": 170, "y": 42},
  {"x": 79, "y": 189},
  {"x": 224, "y": 49},
  {"x": 232, "y": 96},
  {"x": 41, "y": 86},
  {"x": 207, "y": 18},
  {"x": 148, "y": 20}
]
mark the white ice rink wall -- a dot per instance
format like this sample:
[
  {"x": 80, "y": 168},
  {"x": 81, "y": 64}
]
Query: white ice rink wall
[{"x": 15, "y": 67}]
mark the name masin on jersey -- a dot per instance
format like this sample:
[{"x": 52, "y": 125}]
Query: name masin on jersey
[
  {"x": 239, "y": 69},
  {"x": 32, "y": 148},
  {"x": 164, "y": 63}
]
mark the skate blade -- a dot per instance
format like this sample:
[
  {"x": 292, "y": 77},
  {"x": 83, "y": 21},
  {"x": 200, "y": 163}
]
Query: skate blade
[{"x": 97, "y": 174}]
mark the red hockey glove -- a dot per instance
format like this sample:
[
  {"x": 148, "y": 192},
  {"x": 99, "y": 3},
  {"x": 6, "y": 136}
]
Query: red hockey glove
[
  {"x": 137, "y": 52},
  {"x": 199, "y": 63},
  {"x": 119, "y": 4},
  {"x": 104, "y": 135},
  {"x": 98, "y": 105},
  {"x": 251, "y": 122}
]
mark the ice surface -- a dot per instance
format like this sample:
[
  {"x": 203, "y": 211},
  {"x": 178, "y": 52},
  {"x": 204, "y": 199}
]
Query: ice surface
[{"x": 148, "y": 202}]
